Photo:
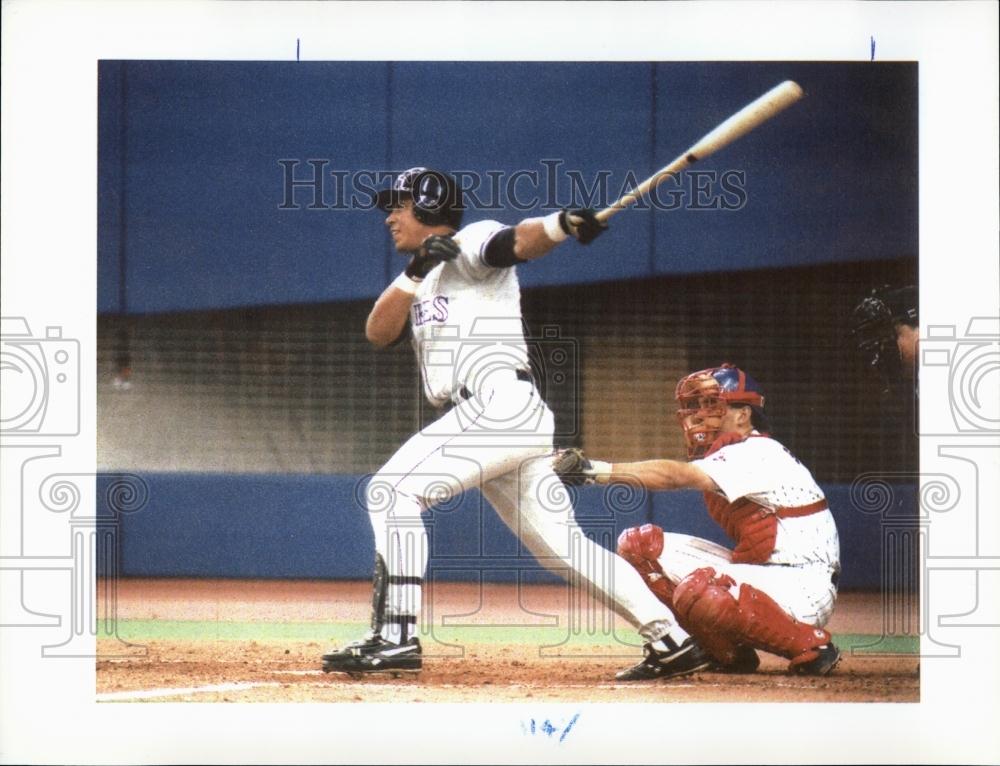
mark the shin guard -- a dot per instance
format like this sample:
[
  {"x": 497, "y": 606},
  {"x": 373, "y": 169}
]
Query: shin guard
[
  {"x": 769, "y": 627},
  {"x": 380, "y": 582},
  {"x": 708, "y": 611},
  {"x": 721, "y": 623}
]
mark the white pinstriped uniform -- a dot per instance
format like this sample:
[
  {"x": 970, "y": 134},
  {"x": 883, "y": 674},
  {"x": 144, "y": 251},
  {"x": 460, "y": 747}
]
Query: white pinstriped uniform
[
  {"x": 800, "y": 573},
  {"x": 468, "y": 336}
]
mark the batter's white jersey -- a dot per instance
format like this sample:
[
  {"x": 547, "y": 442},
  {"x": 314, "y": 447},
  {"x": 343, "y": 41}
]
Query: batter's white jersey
[
  {"x": 466, "y": 320},
  {"x": 468, "y": 333},
  {"x": 763, "y": 471}
]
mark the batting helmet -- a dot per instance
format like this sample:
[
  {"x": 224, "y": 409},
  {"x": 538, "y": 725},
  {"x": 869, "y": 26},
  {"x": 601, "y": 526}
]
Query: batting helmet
[
  {"x": 873, "y": 328},
  {"x": 705, "y": 395},
  {"x": 437, "y": 200}
]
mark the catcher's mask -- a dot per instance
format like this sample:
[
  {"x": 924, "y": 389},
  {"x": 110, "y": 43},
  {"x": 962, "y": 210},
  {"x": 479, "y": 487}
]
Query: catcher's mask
[
  {"x": 437, "y": 200},
  {"x": 705, "y": 395},
  {"x": 873, "y": 329}
]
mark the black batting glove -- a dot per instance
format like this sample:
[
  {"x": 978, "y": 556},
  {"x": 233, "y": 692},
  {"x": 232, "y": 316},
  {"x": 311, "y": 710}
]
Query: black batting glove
[
  {"x": 573, "y": 467},
  {"x": 433, "y": 250},
  {"x": 582, "y": 223}
]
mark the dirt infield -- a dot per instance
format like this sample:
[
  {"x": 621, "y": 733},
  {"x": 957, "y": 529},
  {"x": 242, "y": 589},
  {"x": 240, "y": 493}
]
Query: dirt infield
[{"x": 260, "y": 641}]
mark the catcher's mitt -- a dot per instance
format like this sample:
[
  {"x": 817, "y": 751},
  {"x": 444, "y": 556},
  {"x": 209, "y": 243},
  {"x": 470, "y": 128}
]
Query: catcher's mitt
[{"x": 573, "y": 467}]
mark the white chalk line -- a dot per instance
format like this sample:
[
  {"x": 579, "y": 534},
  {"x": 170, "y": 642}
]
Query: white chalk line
[
  {"x": 140, "y": 694},
  {"x": 183, "y": 692},
  {"x": 373, "y": 682}
]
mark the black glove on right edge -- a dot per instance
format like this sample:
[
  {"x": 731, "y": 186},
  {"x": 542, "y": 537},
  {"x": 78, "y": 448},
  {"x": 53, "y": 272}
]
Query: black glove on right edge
[{"x": 582, "y": 223}]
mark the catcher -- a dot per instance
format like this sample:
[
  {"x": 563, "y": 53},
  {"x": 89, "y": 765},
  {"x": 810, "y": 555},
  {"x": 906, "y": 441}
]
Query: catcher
[{"x": 776, "y": 589}]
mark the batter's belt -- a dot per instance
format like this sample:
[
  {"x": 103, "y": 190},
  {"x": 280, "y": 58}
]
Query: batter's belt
[{"x": 464, "y": 393}]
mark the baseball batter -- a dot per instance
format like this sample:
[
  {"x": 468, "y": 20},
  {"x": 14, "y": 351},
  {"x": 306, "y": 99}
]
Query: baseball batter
[
  {"x": 776, "y": 589},
  {"x": 460, "y": 297}
]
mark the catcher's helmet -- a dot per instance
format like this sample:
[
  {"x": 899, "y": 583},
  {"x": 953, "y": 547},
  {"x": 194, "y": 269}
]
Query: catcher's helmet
[
  {"x": 873, "y": 328},
  {"x": 437, "y": 200},
  {"x": 703, "y": 397}
]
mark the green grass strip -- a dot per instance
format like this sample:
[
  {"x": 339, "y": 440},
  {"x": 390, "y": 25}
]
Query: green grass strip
[{"x": 137, "y": 631}]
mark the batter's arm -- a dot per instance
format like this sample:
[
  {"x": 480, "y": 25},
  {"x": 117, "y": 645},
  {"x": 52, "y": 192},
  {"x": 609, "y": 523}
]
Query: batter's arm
[
  {"x": 388, "y": 316},
  {"x": 660, "y": 474},
  {"x": 390, "y": 312},
  {"x": 530, "y": 240},
  {"x": 534, "y": 237}
]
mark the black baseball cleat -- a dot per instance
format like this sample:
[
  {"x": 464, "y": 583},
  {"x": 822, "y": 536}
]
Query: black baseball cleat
[
  {"x": 826, "y": 660},
  {"x": 680, "y": 661},
  {"x": 373, "y": 654},
  {"x": 369, "y": 643}
]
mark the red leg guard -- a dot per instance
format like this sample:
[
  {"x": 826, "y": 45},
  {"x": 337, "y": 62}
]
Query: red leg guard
[
  {"x": 641, "y": 547},
  {"x": 767, "y": 626},
  {"x": 708, "y": 611},
  {"x": 639, "y": 544},
  {"x": 721, "y": 624}
]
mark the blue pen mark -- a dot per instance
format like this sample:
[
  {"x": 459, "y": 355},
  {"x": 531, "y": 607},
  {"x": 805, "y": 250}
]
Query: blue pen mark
[
  {"x": 297, "y": 49},
  {"x": 873, "y": 47},
  {"x": 568, "y": 727},
  {"x": 550, "y": 728}
]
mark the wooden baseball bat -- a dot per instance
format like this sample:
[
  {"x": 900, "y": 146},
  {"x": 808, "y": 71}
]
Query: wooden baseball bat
[{"x": 741, "y": 123}]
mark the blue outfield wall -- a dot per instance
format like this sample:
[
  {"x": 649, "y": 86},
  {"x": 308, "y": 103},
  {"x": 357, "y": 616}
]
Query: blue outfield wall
[
  {"x": 207, "y": 198},
  {"x": 297, "y": 526}
]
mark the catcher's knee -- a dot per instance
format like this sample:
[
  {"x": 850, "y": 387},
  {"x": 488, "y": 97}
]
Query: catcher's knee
[
  {"x": 640, "y": 544},
  {"x": 703, "y": 601}
]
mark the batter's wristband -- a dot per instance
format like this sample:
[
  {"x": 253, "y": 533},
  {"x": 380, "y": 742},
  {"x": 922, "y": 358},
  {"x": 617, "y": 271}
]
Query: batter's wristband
[
  {"x": 601, "y": 471},
  {"x": 406, "y": 284},
  {"x": 554, "y": 229}
]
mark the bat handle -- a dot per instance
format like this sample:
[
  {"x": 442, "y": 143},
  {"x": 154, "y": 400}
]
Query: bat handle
[
  {"x": 627, "y": 199},
  {"x": 606, "y": 213},
  {"x": 630, "y": 198}
]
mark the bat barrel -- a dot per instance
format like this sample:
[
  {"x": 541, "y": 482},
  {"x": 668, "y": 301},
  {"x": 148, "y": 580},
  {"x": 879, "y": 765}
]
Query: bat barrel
[{"x": 749, "y": 117}]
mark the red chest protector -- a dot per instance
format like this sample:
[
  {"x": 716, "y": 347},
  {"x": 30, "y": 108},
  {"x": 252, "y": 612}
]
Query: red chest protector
[{"x": 751, "y": 526}]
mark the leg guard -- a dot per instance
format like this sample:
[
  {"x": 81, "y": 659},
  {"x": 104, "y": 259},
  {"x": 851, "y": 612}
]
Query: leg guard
[
  {"x": 380, "y": 582},
  {"x": 721, "y": 623},
  {"x": 772, "y": 629},
  {"x": 641, "y": 547},
  {"x": 708, "y": 611},
  {"x": 638, "y": 545}
]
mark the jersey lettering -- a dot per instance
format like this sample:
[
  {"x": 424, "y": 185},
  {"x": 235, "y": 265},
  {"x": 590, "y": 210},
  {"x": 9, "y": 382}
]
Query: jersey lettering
[{"x": 431, "y": 310}]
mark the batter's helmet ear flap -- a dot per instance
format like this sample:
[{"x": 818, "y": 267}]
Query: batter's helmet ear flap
[{"x": 437, "y": 200}]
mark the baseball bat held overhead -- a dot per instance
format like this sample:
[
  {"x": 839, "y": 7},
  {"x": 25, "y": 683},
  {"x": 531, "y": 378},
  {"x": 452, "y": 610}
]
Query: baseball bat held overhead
[{"x": 749, "y": 117}]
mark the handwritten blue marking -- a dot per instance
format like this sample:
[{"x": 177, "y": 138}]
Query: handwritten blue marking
[
  {"x": 568, "y": 727},
  {"x": 549, "y": 729},
  {"x": 873, "y": 47}
]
